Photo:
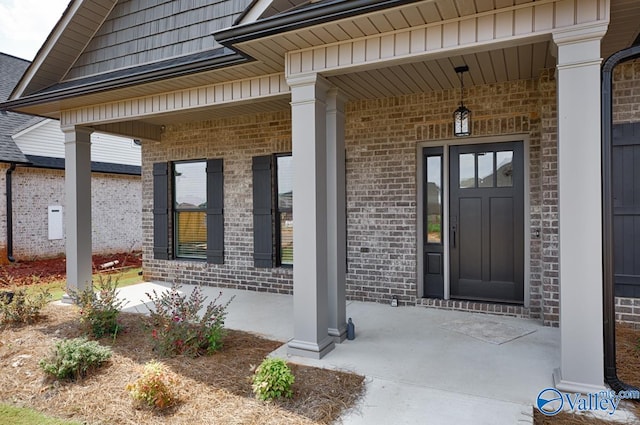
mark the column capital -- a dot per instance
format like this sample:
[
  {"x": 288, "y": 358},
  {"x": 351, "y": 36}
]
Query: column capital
[
  {"x": 311, "y": 78},
  {"x": 576, "y": 34},
  {"x": 76, "y": 129},
  {"x": 578, "y": 47},
  {"x": 335, "y": 100}
]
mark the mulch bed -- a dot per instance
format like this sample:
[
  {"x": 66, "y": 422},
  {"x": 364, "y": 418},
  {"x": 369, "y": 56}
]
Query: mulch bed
[
  {"x": 212, "y": 389},
  {"x": 628, "y": 366},
  {"x": 46, "y": 270}
]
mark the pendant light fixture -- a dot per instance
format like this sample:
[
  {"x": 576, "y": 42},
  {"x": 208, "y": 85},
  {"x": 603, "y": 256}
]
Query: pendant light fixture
[{"x": 462, "y": 115}]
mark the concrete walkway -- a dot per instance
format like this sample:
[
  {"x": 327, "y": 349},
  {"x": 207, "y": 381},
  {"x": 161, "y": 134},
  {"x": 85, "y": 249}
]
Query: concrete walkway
[{"x": 418, "y": 369}]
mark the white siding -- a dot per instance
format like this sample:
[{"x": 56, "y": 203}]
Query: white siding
[{"x": 46, "y": 139}]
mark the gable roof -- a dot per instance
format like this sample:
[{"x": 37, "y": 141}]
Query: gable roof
[
  {"x": 100, "y": 45},
  {"x": 11, "y": 69},
  {"x": 77, "y": 25}
]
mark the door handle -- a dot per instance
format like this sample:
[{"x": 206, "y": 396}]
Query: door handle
[{"x": 453, "y": 235}]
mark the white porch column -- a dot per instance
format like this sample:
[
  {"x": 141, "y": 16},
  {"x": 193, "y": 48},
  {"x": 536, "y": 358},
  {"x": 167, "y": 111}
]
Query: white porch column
[
  {"x": 580, "y": 210},
  {"x": 336, "y": 216},
  {"x": 77, "y": 177},
  {"x": 310, "y": 292}
]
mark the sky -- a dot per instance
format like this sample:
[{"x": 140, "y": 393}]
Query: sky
[{"x": 25, "y": 25}]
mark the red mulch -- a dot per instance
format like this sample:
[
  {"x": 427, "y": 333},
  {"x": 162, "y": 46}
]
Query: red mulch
[{"x": 21, "y": 272}]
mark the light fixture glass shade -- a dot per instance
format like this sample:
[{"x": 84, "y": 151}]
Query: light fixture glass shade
[{"x": 462, "y": 122}]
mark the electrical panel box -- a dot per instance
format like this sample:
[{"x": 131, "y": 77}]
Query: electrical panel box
[{"x": 55, "y": 222}]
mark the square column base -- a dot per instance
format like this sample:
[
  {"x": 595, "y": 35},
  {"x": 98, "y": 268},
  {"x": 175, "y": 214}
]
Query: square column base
[
  {"x": 310, "y": 350},
  {"x": 574, "y": 387},
  {"x": 338, "y": 335},
  {"x": 66, "y": 299}
]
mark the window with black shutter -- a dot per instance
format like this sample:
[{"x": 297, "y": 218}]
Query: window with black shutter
[
  {"x": 273, "y": 210},
  {"x": 197, "y": 210}
]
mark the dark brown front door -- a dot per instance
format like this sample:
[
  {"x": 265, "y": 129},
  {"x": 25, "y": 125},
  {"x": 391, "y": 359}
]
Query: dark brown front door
[{"x": 486, "y": 222}]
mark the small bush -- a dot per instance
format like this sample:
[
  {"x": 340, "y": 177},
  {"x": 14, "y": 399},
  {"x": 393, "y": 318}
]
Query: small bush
[
  {"x": 75, "y": 358},
  {"x": 23, "y": 307},
  {"x": 273, "y": 379},
  {"x": 178, "y": 327},
  {"x": 155, "y": 387},
  {"x": 99, "y": 310}
]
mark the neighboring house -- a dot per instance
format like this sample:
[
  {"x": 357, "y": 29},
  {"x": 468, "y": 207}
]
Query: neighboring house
[
  {"x": 32, "y": 168},
  {"x": 387, "y": 203}
]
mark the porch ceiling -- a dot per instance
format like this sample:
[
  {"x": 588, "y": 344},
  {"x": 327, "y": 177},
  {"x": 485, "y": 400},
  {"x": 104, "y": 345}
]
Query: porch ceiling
[
  {"x": 513, "y": 63},
  {"x": 485, "y": 67},
  {"x": 623, "y": 30}
]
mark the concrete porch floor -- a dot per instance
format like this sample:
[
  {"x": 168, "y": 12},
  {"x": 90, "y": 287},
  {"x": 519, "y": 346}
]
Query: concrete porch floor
[{"x": 417, "y": 370}]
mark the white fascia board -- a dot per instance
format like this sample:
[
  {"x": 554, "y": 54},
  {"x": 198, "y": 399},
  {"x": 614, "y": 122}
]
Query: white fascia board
[{"x": 255, "y": 12}]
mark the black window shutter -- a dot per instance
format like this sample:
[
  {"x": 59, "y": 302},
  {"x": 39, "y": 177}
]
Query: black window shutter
[
  {"x": 161, "y": 211},
  {"x": 263, "y": 211},
  {"x": 215, "y": 212}
]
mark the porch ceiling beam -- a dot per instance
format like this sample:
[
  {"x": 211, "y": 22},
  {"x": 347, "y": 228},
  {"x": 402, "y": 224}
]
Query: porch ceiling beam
[
  {"x": 503, "y": 27},
  {"x": 134, "y": 129},
  {"x": 220, "y": 94}
]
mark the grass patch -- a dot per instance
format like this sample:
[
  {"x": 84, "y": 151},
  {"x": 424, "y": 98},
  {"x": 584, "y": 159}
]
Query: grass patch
[
  {"x": 24, "y": 416},
  {"x": 57, "y": 287}
]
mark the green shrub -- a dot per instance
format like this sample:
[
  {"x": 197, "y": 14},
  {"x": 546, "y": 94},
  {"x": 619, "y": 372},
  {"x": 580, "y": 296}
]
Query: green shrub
[
  {"x": 75, "y": 358},
  {"x": 155, "y": 388},
  {"x": 23, "y": 307},
  {"x": 273, "y": 379},
  {"x": 178, "y": 327},
  {"x": 99, "y": 310}
]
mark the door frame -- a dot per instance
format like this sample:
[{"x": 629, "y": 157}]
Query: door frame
[{"x": 445, "y": 144}]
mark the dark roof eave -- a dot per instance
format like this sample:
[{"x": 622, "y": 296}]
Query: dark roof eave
[
  {"x": 314, "y": 14},
  {"x": 51, "y": 163},
  {"x": 124, "y": 82}
]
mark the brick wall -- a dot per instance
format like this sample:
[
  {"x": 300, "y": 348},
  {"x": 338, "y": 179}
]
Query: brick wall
[
  {"x": 626, "y": 108},
  {"x": 381, "y": 140},
  {"x": 116, "y": 212},
  {"x": 236, "y": 140},
  {"x": 3, "y": 222},
  {"x": 381, "y": 186}
]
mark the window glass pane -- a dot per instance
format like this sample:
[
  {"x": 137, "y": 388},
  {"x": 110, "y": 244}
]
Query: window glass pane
[
  {"x": 285, "y": 182},
  {"x": 467, "y": 170},
  {"x": 485, "y": 169},
  {"x": 504, "y": 172},
  {"x": 286, "y": 238},
  {"x": 285, "y": 208},
  {"x": 434, "y": 199},
  {"x": 190, "y": 188},
  {"x": 190, "y": 184},
  {"x": 191, "y": 234}
]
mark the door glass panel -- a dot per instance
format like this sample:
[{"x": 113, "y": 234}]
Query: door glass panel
[
  {"x": 485, "y": 169},
  {"x": 504, "y": 172},
  {"x": 467, "y": 170},
  {"x": 434, "y": 199}
]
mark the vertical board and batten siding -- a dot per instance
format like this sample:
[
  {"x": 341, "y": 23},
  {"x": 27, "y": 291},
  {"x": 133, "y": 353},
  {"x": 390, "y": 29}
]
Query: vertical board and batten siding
[
  {"x": 143, "y": 31},
  {"x": 46, "y": 139},
  {"x": 626, "y": 209}
]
